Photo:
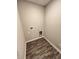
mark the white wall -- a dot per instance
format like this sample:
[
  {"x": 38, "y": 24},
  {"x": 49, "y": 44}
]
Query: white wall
[
  {"x": 36, "y": 16},
  {"x": 32, "y": 15},
  {"x": 20, "y": 39},
  {"x": 52, "y": 23}
]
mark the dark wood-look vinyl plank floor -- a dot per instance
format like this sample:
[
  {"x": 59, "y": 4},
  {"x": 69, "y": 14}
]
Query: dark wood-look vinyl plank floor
[{"x": 41, "y": 49}]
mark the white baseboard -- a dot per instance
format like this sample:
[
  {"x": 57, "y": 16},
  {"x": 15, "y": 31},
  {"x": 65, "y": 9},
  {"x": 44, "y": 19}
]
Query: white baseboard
[
  {"x": 53, "y": 45},
  {"x": 25, "y": 51},
  {"x": 34, "y": 39}
]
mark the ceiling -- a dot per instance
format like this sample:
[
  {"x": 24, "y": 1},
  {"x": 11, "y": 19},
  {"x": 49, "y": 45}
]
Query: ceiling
[{"x": 40, "y": 2}]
